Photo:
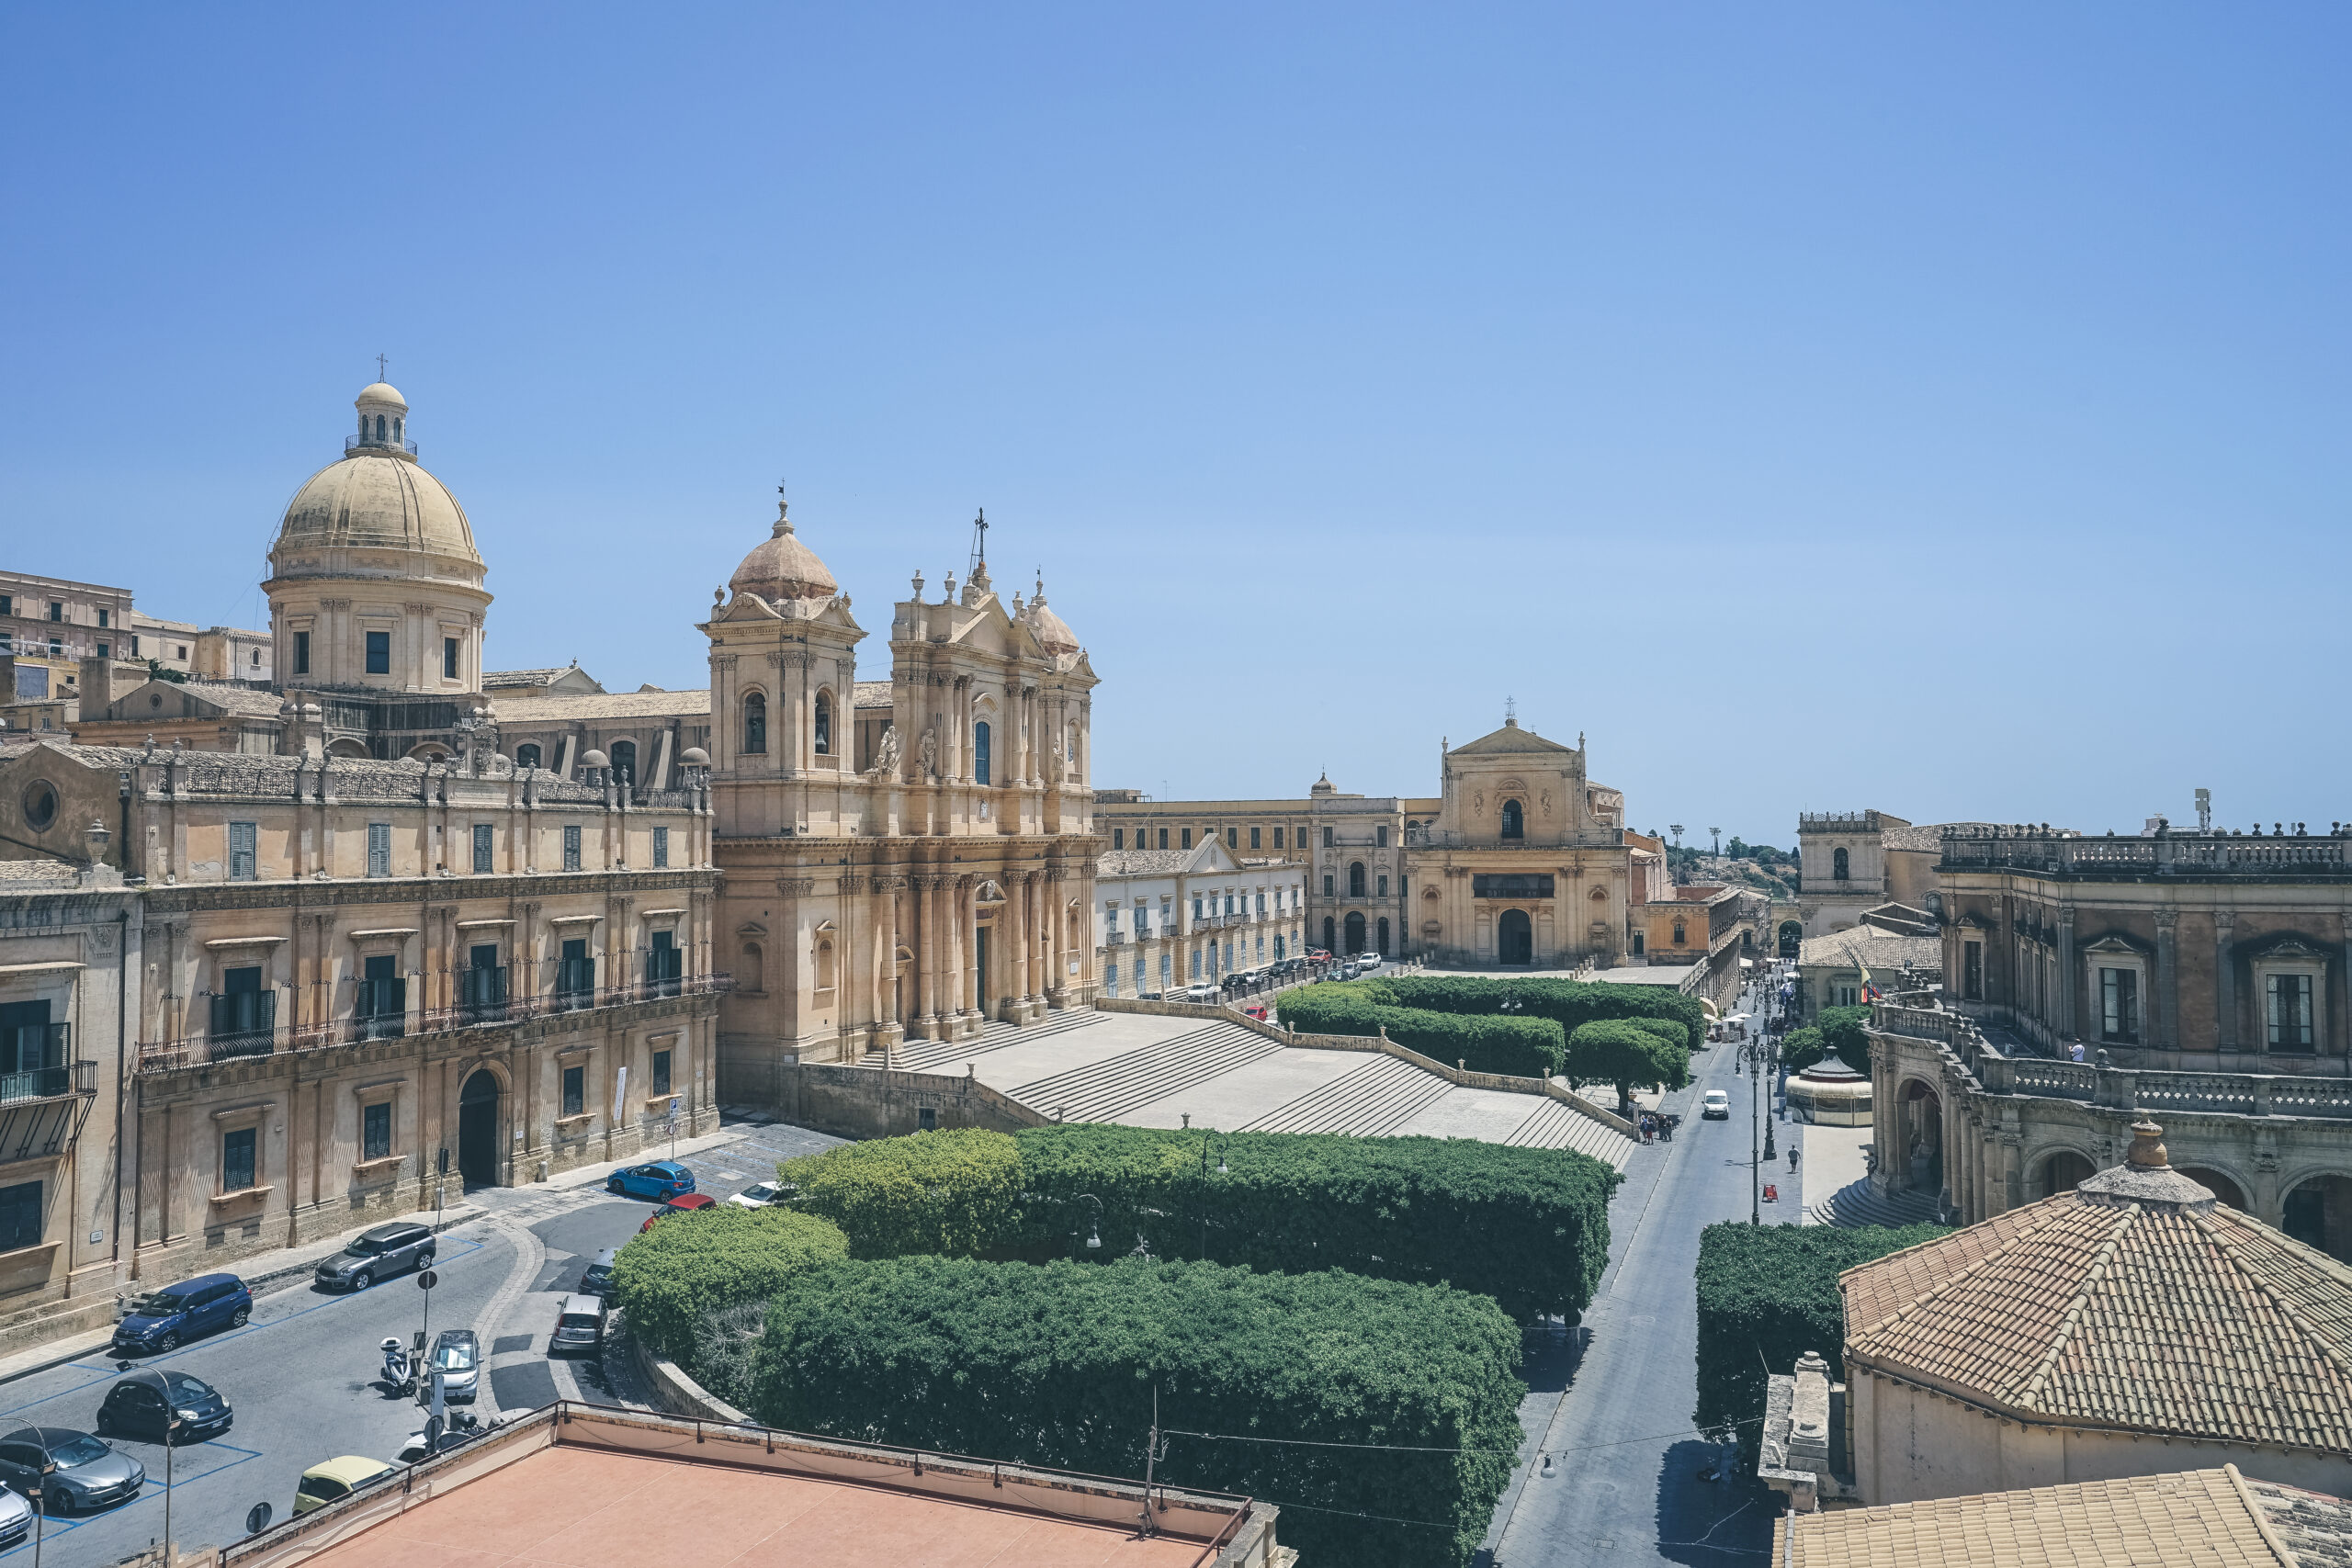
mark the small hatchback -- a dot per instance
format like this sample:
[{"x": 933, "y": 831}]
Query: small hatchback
[
  {"x": 457, "y": 1355},
  {"x": 685, "y": 1203},
  {"x": 337, "y": 1479},
  {"x": 159, "y": 1321},
  {"x": 597, "y": 1278},
  {"x": 136, "y": 1407},
  {"x": 378, "y": 1252},
  {"x": 656, "y": 1180},
  {"x": 579, "y": 1325},
  {"x": 1714, "y": 1106}
]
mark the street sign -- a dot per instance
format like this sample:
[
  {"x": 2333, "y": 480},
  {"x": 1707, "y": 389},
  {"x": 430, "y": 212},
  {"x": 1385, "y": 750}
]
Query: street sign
[
  {"x": 257, "y": 1519},
  {"x": 426, "y": 1278}
]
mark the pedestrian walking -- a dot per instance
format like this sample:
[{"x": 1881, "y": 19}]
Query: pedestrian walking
[{"x": 1792, "y": 1159}]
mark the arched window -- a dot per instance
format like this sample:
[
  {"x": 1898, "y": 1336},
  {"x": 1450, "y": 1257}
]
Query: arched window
[
  {"x": 624, "y": 759},
  {"x": 824, "y": 963},
  {"x": 1838, "y": 866},
  {"x": 379, "y": 427},
  {"x": 1514, "y": 821},
  {"x": 527, "y": 756},
  {"x": 1355, "y": 879},
  {"x": 980, "y": 753},
  {"x": 824, "y": 724},
  {"x": 755, "y": 723},
  {"x": 256, "y": 657},
  {"x": 396, "y": 427},
  {"x": 1679, "y": 938},
  {"x": 753, "y": 965}
]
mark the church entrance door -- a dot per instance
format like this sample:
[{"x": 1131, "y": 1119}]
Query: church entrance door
[
  {"x": 1514, "y": 938},
  {"x": 478, "y": 1129},
  {"x": 1355, "y": 936}
]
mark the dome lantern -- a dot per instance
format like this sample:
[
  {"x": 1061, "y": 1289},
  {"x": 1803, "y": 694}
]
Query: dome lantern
[{"x": 383, "y": 422}]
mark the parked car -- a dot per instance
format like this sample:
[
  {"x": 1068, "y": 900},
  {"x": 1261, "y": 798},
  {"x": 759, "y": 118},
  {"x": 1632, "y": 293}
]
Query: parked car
[
  {"x": 135, "y": 1407},
  {"x": 337, "y": 1479},
  {"x": 685, "y": 1204},
  {"x": 458, "y": 1355},
  {"x": 759, "y": 1196},
  {"x": 1366, "y": 963},
  {"x": 1714, "y": 1106},
  {"x": 1202, "y": 993},
  {"x": 656, "y": 1180},
  {"x": 579, "y": 1325},
  {"x": 160, "y": 1319},
  {"x": 84, "y": 1471},
  {"x": 597, "y": 1278},
  {"x": 16, "y": 1518},
  {"x": 1256, "y": 1010},
  {"x": 378, "y": 1252}
]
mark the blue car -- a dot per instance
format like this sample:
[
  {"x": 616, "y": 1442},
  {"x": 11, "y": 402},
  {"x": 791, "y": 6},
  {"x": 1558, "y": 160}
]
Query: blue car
[
  {"x": 159, "y": 1321},
  {"x": 659, "y": 1180}
]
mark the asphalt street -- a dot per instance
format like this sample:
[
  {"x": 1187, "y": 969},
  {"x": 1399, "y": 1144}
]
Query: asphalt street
[
  {"x": 1612, "y": 1402},
  {"x": 304, "y": 1376}
]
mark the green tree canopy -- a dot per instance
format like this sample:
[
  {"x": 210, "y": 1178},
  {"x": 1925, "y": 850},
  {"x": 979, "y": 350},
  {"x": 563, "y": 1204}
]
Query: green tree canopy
[
  {"x": 956, "y": 1191},
  {"x": 1617, "y": 1051},
  {"x": 690, "y": 1264}
]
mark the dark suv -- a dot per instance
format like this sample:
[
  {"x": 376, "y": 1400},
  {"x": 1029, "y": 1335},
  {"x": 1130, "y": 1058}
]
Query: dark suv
[
  {"x": 159, "y": 1321},
  {"x": 375, "y": 1254}
]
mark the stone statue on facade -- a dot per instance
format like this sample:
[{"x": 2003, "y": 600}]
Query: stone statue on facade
[
  {"x": 886, "y": 756},
  {"x": 930, "y": 752}
]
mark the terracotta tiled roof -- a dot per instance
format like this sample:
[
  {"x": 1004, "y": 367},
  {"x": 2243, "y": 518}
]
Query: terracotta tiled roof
[
  {"x": 2211, "y": 1518},
  {"x": 562, "y": 707},
  {"x": 2188, "y": 1319},
  {"x": 1869, "y": 947},
  {"x": 870, "y": 694}
]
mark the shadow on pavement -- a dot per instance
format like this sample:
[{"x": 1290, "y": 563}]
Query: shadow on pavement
[{"x": 1722, "y": 1522}]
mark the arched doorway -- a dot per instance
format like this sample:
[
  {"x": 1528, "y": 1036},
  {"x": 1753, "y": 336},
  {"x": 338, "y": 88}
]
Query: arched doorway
[
  {"x": 478, "y": 1129},
  {"x": 2319, "y": 1214},
  {"x": 2063, "y": 1171},
  {"x": 2223, "y": 1186},
  {"x": 1355, "y": 935},
  {"x": 1331, "y": 935},
  {"x": 1514, "y": 938},
  {"x": 1792, "y": 936},
  {"x": 624, "y": 760},
  {"x": 1921, "y": 1126},
  {"x": 1384, "y": 936}
]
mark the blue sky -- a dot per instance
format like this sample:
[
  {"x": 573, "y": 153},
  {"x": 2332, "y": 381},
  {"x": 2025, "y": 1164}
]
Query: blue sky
[{"x": 1934, "y": 408}]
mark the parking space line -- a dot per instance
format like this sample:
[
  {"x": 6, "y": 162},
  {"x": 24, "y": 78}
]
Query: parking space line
[
  {"x": 251, "y": 1327},
  {"x": 146, "y": 1494}
]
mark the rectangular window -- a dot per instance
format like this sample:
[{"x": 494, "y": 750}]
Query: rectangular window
[
  {"x": 1384, "y": 888},
  {"x": 2118, "y": 995},
  {"x": 1384, "y": 837},
  {"x": 1196, "y": 907},
  {"x": 376, "y": 1130},
  {"x": 1188, "y": 837},
  {"x": 56, "y": 648},
  {"x": 575, "y": 1091},
  {"x": 572, "y": 848},
  {"x": 1163, "y": 838},
  {"x": 102, "y": 617},
  {"x": 1118, "y": 838},
  {"x": 380, "y": 848},
  {"x": 1278, "y": 838},
  {"x": 575, "y": 979},
  {"x": 1196, "y": 963},
  {"x": 134, "y": 645},
  {"x": 1972, "y": 969},
  {"x": 382, "y": 1002},
  {"x": 1326, "y": 838},
  {"x": 2288, "y": 1003},
  {"x": 664, "y": 963},
  {"x": 56, "y": 611},
  {"x": 20, "y": 1215},
  {"x": 661, "y": 848},
  {"x": 448, "y": 658},
  {"x": 106, "y": 650},
  {"x": 237, "y": 1159},
  {"x": 661, "y": 1072},
  {"x": 301, "y": 652},
  {"x": 1253, "y": 837},
  {"x": 484, "y": 850},
  {"x": 1326, "y": 885},
  {"x": 8, "y": 605},
  {"x": 380, "y": 654},
  {"x": 1166, "y": 964},
  {"x": 926, "y": 1118},
  {"x": 1111, "y": 979},
  {"x": 1233, "y": 837},
  {"x": 244, "y": 860}
]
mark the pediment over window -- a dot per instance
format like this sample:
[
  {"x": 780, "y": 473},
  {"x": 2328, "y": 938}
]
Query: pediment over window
[
  {"x": 2290, "y": 949},
  {"x": 751, "y": 928},
  {"x": 2115, "y": 944}
]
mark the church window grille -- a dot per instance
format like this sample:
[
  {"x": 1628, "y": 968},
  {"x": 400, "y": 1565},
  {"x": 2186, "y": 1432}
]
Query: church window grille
[
  {"x": 1514, "y": 821},
  {"x": 755, "y": 723},
  {"x": 825, "y": 725},
  {"x": 980, "y": 753}
]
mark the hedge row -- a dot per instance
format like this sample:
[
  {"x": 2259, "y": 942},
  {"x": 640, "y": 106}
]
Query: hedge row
[
  {"x": 1057, "y": 1366},
  {"x": 1493, "y": 1042},
  {"x": 1568, "y": 1003},
  {"x": 1767, "y": 1294},
  {"x": 667, "y": 1278},
  {"x": 1529, "y": 1227}
]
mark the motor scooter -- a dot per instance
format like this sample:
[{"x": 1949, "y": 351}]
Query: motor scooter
[{"x": 400, "y": 1372}]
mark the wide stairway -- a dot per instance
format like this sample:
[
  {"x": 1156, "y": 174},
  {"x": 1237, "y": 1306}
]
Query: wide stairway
[
  {"x": 1553, "y": 1125},
  {"x": 1376, "y": 1099},
  {"x": 922, "y": 1056},
  {"x": 1105, "y": 1091},
  {"x": 1860, "y": 1204}
]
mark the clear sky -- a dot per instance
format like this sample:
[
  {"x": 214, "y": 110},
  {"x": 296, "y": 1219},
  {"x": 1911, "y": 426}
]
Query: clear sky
[{"x": 1939, "y": 408}]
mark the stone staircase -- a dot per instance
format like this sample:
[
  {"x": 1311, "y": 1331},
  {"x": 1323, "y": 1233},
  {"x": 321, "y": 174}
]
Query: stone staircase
[
  {"x": 1373, "y": 1100},
  {"x": 1105, "y": 1091},
  {"x": 1553, "y": 1125},
  {"x": 1860, "y": 1204},
  {"x": 924, "y": 1055}
]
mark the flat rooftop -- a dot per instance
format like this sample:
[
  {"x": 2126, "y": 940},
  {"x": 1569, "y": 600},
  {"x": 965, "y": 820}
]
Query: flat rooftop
[{"x": 611, "y": 1489}]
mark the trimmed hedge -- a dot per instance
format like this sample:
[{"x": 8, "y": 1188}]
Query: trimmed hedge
[
  {"x": 665, "y": 1278},
  {"x": 1841, "y": 1034},
  {"x": 955, "y": 1193},
  {"x": 1622, "y": 1052},
  {"x": 1057, "y": 1365},
  {"x": 1767, "y": 1294},
  {"x": 1666, "y": 1029},
  {"x": 1568, "y": 1003},
  {"x": 1529, "y": 1227},
  {"x": 1494, "y": 1043}
]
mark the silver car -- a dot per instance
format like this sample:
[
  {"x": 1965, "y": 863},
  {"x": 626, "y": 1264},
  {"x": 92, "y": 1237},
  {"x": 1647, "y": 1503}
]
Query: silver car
[
  {"x": 579, "y": 1325},
  {"x": 83, "y": 1472},
  {"x": 378, "y": 1252},
  {"x": 457, "y": 1354}
]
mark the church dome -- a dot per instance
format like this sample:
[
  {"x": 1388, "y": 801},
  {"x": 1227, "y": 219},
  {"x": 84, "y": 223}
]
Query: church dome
[
  {"x": 783, "y": 567},
  {"x": 1053, "y": 632},
  {"x": 377, "y": 498}
]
